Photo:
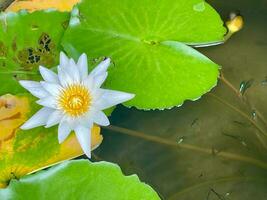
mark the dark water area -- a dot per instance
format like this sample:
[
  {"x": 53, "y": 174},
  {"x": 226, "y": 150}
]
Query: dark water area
[{"x": 208, "y": 149}]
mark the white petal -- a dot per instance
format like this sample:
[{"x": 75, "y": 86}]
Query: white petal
[
  {"x": 64, "y": 77},
  {"x": 74, "y": 71},
  {"x": 54, "y": 118},
  {"x": 101, "y": 119},
  {"x": 86, "y": 121},
  {"x": 49, "y": 101},
  {"x": 35, "y": 88},
  {"x": 83, "y": 135},
  {"x": 83, "y": 66},
  {"x": 39, "y": 119},
  {"x": 48, "y": 75},
  {"x": 101, "y": 68},
  {"x": 88, "y": 82},
  {"x": 63, "y": 131},
  {"x": 63, "y": 59},
  {"x": 52, "y": 88},
  {"x": 99, "y": 80},
  {"x": 111, "y": 98},
  {"x": 68, "y": 66}
]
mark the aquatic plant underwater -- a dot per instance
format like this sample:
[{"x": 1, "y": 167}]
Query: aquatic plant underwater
[{"x": 66, "y": 65}]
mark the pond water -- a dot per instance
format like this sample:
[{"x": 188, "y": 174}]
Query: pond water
[{"x": 208, "y": 149}]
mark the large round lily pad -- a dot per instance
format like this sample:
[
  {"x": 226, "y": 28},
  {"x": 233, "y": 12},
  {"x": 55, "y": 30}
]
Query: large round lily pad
[
  {"x": 147, "y": 43},
  {"x": 80, "y": 179}
]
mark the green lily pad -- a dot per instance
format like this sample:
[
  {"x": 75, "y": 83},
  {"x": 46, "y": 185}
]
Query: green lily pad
[
  {"x": 79, "y": 179},
  {"x": 28, "y": 40},
  {"x": 147, "y": 43}
]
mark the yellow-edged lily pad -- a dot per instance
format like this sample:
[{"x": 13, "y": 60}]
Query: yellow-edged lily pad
[
  {"x": 24, "y": 152},
  {"x": 33, "y": 5}
]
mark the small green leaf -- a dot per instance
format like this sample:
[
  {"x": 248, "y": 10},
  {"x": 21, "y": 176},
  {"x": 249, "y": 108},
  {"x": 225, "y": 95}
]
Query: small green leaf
[
  {"x": 79, "y": 179},
  {"x": 146, "y": 41},
  {"x": 28, "y": 40}
]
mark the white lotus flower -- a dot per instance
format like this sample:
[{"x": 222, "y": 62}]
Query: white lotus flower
[{"x": 73, "y": 99}]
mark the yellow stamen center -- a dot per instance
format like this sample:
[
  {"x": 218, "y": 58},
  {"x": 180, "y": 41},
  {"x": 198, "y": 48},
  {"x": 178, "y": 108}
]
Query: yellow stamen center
[{"x": 75, "y": 100}]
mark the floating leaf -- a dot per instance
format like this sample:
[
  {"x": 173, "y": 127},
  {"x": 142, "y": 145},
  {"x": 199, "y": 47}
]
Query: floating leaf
[
  {"x": 80, "y": 179},
  {"x": 27, "y": 41},
  {"x": 147, "y": 43},
  {"x": 33, "y": 5},
  {"x": 22, "y": 152}
]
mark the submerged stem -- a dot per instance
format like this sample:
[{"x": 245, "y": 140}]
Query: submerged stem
[
  {"x": 230, "y": 85},
  {"x": 263, "y": 142},
  {"x": 218, "y": 180},
  {"x": 245, "y": 100},
  {"x": 163, "y": 141},
  {"x": 261, "y": 117}
]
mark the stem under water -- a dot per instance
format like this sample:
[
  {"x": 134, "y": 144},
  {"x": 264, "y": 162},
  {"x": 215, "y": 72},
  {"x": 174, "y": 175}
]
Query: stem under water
[
  {"x": 163, "y": 141},
  {"x": 245, "y": 100}
]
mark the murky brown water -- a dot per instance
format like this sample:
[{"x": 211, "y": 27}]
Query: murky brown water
[{"x": 219, "y": 156}]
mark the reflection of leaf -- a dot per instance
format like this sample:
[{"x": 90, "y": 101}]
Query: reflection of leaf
[
  {"x": 33, "y": 5},
  {"x": 146, "y": 42},
  {"x": 27, "y": 42},
  {"x": 80, "y": 179},
  {"x": 22, "y": 152}
]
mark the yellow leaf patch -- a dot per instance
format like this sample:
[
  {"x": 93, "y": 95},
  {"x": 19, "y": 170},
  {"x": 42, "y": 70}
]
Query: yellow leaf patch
[{"x": 33, "y": 5}]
